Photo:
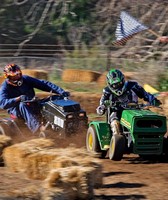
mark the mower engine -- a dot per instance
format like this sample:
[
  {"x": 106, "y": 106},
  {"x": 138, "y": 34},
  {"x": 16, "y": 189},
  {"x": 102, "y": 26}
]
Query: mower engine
[{"x": 64, "y": 115}]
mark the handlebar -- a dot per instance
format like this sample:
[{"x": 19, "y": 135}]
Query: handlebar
[
  {"x": 36, "y": 99},
  {"x": 128, "y": 106}
]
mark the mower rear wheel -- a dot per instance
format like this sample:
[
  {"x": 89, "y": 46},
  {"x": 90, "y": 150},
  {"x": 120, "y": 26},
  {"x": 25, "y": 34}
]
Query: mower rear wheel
[
  {"x": 92, "y": 143},
  {"x": 117, "y": 147}
]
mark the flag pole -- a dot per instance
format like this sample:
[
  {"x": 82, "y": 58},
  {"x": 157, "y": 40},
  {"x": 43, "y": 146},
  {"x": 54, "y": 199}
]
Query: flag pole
[
  {"x": 163, "y": 39},
  {"x": 154, "y": 33}
]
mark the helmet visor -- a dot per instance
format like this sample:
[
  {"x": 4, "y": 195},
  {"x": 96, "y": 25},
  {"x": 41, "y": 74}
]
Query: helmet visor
[
  {"x": 15, "y": 77},
  {"x": 117, "y": 85}
]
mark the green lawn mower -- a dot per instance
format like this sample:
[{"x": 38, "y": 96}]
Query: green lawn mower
[{"x": 143, "y": 133}]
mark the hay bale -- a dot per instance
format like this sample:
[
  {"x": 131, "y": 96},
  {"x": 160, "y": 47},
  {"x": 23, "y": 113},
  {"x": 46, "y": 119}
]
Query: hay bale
[
  {"x": 77, "y": 75},
  {"x": 54, "y": 194},
  {"x": 102, "y": 79},
  {"x": 29, "y": 192},
  {"x": 5, "y": 141},
  {"x": 1, "y": 79},
  {"x": 36, "y": 73},
  {"x": 76, "y": 181},
  {"x": 96, "y": 167},
  {"x": 62, "y": 162},
  {"x": 15, "y": 155},
  {"x": 79, "y": 157},
  {"x": 70, "y": 172},
  {"x": 37, "y": 165}
]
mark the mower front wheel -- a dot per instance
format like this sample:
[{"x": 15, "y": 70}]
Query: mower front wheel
[
  {"x": 92, "y": 143},
  {"x": 117, "y": 147}
]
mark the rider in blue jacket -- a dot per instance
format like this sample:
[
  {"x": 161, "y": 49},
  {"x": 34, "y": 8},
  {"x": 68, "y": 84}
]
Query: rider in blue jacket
[
  {"x": 119, "y": 90},
  {"x": 17, "y": 88}
]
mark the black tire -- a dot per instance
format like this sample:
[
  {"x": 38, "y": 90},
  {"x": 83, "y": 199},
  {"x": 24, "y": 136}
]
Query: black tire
[
  {"x": 92, "y": 143},
  {"x": 117, "y": 147}
]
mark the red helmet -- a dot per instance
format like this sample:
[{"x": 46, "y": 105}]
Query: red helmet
[{"x": 14, "y": 74}]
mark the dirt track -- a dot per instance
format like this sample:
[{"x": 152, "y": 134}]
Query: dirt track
[{"x": 131, "y": 178}]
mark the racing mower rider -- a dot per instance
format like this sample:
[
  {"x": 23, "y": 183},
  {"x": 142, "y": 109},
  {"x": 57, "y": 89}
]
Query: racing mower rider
[
  {"x": 18, "y": 88},
  {"x": 119, "y": 90}
]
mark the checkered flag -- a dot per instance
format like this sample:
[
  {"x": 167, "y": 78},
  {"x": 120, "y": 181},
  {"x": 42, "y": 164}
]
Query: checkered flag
[{"x": 127, "y": 27}]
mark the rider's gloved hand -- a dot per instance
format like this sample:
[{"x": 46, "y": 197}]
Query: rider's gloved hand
[
  {"x": 156, "y": 102},
  {"x": 100, "y": 110},
  {"x": 66, "y": 94},
  {"x": 23, "y": 98}
]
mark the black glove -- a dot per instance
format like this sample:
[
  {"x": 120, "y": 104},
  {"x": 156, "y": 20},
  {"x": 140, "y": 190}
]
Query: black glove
[
  {"x": 23, "y": 98},
  {"x": 156, "y": 102},
  {"x": 66, "y": 94}
]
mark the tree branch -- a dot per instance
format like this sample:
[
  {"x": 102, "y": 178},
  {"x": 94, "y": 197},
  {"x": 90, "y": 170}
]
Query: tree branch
[{"x": 44, "y": 14}]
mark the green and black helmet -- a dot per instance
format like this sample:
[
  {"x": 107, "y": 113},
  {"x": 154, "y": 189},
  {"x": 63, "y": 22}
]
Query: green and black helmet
[{"x": 116, "y": 81}]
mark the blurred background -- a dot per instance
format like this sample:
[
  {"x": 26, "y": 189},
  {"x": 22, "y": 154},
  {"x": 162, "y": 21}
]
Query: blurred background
[{"x": 55, "y": 35}]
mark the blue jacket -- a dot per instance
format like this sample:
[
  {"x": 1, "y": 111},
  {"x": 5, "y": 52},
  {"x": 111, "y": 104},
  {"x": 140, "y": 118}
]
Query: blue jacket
[{"x": 8, "y": 93}]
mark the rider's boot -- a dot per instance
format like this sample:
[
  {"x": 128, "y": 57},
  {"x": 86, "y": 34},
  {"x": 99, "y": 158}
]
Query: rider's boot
[{"x": 116, "y": 127}]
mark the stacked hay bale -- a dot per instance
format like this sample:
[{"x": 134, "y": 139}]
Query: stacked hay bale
[
  {"x": 75, "y": 182},
  {"x": 5, "y": 141},
  {"x": 1, "y": 79},
  {"x": 40, "y": 74},
  {"x": 77, "y": 75},
  {"x": 128, "y": 76},
  {"x": 15, "y": 155},
  {"x": 66, "y": 172}
]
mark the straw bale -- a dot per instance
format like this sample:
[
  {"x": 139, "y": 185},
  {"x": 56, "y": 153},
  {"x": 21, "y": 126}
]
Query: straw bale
[
  {"x": 63, "y": 161},
  {"x": 77, "y": 75},
  {"x": 96, "y": 165},
  {"x": 29, "y": 192},
  {"x": 54, "y": 194},
  {"x": 1, "y": 79},
  {"x": 15, "y": 155},
  {"x": 80, "y": 157},
  {"x": 55, "y": 181},
  {"x": 5, "y": 141},
  {"x": 40, "y": 74},
  {"x": 102, "y": 79},
  {"x": 37, "y": 165},
  {"x": 76, "y": 181}
]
